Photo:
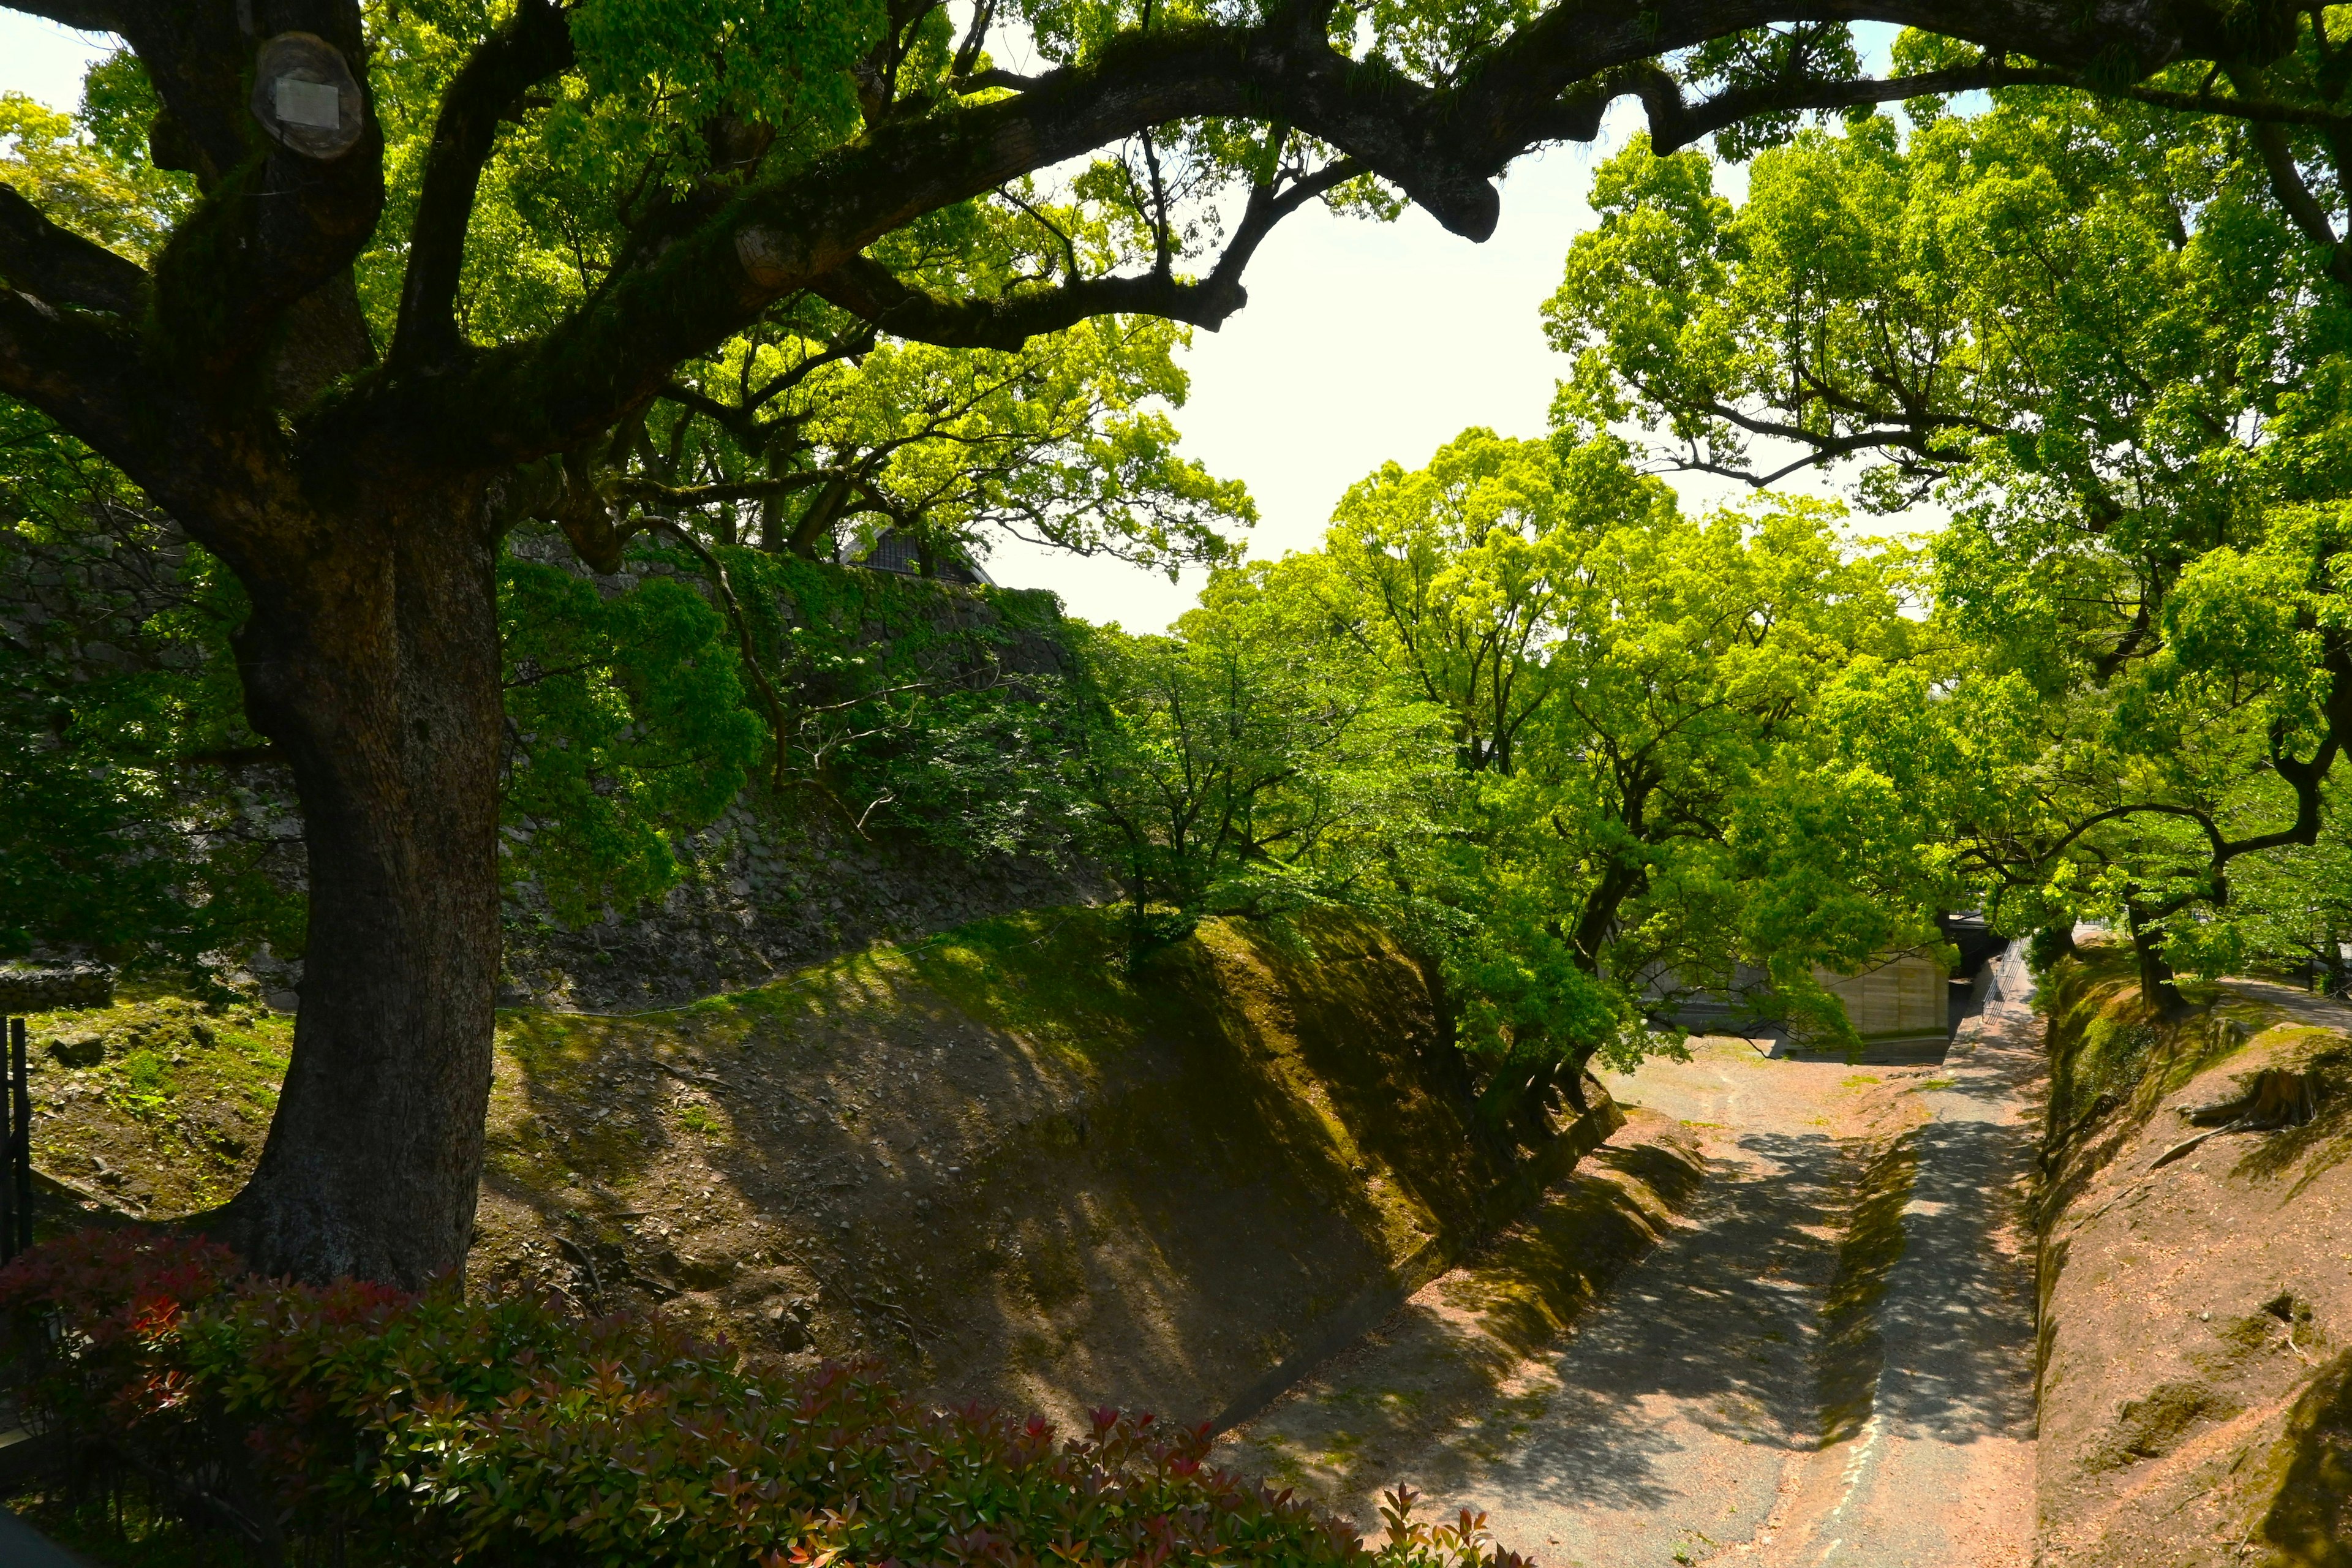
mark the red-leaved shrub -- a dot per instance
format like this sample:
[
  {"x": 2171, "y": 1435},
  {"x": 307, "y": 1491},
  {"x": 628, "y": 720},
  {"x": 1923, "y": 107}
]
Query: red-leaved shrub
[{"x": 380, "y": 1426}]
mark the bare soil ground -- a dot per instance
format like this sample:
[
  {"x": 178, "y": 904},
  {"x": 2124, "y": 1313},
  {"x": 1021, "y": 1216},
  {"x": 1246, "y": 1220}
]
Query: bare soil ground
[
  {"x": 1825, "y": 1355},
  {"x": 2197, "y": 1391}
]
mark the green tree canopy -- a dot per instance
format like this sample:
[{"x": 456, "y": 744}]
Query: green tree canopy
[{"x": 2091, "y": 333}]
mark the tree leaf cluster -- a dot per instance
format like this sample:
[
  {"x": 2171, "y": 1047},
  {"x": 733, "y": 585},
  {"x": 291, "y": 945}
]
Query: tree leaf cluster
[{"x": 2091, "y": 333}]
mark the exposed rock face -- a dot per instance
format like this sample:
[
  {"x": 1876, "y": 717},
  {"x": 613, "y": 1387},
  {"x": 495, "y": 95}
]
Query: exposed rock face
[
  {"x": 1012, "y": 1167},
  {"x": 41, "y": 988},
  {"x": 762, "y": 898}
]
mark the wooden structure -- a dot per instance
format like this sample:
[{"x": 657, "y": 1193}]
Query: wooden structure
[
  {"x": 1902, "y": 998},
  {"x": 34, "y": 988}
]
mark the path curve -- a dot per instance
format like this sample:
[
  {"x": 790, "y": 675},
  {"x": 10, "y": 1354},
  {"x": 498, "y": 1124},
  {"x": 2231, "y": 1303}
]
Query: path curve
[{"x": 1826, "y": 1359}]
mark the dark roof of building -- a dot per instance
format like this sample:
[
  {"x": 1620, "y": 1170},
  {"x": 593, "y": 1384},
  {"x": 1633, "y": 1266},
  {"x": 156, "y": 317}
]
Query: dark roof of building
[{"x": 896, "y": 552}]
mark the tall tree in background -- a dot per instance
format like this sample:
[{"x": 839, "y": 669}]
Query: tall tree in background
[
  {"x": 1253, "y": 763},
  {"x": 705, "y": 164},
  {"x": 1637, "y": 698},
  {"x": 2092, "y": 332}
]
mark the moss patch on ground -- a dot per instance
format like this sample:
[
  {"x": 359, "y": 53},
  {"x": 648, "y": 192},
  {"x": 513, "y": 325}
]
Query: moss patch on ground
[{"x": 158, "y": 1103}]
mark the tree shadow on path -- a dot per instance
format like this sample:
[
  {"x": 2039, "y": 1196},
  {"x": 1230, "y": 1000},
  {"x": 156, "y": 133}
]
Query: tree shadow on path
[{"x": 1710, "y": 1336}]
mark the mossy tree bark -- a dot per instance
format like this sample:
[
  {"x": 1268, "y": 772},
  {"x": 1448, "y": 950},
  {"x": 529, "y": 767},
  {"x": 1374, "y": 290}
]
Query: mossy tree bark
[
  {"x": 237, "y": 383},
  {"x": 374, "y": 672}
]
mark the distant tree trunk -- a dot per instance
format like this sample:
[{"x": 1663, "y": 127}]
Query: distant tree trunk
[
  {"x": 817, "y": 519},
  {"x": 1571, "y": 1080},
  {"x": 2156, "y": 986},
  {"x": 374, "y": 667}
]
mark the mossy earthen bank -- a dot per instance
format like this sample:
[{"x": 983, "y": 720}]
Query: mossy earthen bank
[{"x": 994, "y": 1158}]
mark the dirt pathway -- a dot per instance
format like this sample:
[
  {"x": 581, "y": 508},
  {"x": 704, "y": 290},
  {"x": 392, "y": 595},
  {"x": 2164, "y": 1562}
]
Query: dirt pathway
[
  {"x": 1825, "y": 1358},
  {"x": 1940, "y": 1471}
]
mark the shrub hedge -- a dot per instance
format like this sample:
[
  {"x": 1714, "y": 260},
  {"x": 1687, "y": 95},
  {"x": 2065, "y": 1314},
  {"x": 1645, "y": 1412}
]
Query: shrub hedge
[{"x": 369, "y": 1425}]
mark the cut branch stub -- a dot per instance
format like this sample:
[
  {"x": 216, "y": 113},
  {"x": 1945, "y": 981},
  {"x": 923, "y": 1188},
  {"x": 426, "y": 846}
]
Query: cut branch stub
[
  {"x": 2272, "y": 1098},
  {"x": 306, "y": 98}
]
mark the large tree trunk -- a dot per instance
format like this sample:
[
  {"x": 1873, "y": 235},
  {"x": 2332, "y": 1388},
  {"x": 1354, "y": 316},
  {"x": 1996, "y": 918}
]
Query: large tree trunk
[{"x": 375, "y": 672}]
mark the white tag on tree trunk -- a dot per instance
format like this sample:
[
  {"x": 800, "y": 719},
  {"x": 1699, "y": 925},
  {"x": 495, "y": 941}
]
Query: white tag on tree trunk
[
  {"x": 313, "y": 103},
  {"x": 305, "y": 96}
]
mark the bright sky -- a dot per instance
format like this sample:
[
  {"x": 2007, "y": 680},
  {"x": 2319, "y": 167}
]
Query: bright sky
[{"x": 1361, "y": 342}]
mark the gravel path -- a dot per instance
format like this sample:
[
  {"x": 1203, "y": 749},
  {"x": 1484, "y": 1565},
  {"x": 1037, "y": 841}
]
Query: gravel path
[{"x": 1826, "y": 1360}]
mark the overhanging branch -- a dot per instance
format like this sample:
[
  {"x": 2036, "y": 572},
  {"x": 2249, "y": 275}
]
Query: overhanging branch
[
  {"x": 867, "y": 290},
  {"x": 82, "y": 16},
  {"x": 61, "y": 267},
  {"x": 1677, "y": 122},
  {"x": 85, "y": 378},
  {"x": 1442, "y": 144}
]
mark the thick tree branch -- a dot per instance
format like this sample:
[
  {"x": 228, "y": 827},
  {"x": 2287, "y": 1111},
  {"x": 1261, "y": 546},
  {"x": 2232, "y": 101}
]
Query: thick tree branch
[
  {"x": 642, "y": 491},
  {"x": 2305, "y": 778},
  {"x": 63, "y": 268},
  {"x": 87, "y": 378},
  {"x": 82, "y": 16},
  {"x": 278, "y": 225},
  {"x": 1676, "y": 122},
  {"x": 201, "y": 56},
  {"x": 2303, "y": 209},
  {"x": 1441, "y": 145},
  {"x": 1520, "y": 92},
  {"x": 533, "y": 46},
  {"x": 975, "y": 37},
  {"x": 866, "y": 289},
  {"x": 276, "y": 231}
]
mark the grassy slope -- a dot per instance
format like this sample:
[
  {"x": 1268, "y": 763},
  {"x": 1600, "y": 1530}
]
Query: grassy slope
[
  {"x": 2197, "y": 1386},
  {"x": 994, "y": 1158}
]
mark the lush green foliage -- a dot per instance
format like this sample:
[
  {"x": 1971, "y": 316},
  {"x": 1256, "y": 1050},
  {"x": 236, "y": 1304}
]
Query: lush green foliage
[
  {"x": 142, "y": 815},
  {"x": 635, "y": 718},
  {"x": 628, "y": 719},
  {"x": 113, "y": 672},
  {"x": 1597, "y": 754},
  {"x": 1638, "y": 697},
  {"x": 1246, "y": 763},
  {"x": 2089, "y": 333},
  {"x": 90, "y": 173},
  {"x": 392, "y": 1428},
  {"x": 813, "y": 429}
]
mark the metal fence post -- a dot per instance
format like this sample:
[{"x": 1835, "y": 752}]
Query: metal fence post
[
  {"x": 20, "y": 1141},
  {"x": 9, "y": 1028}
]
